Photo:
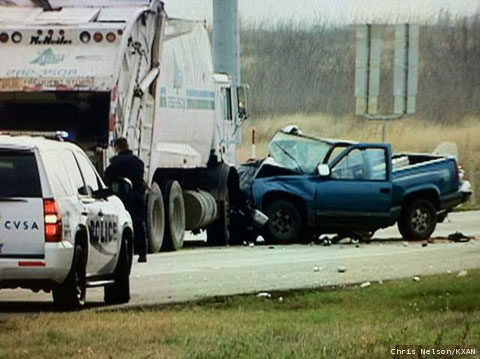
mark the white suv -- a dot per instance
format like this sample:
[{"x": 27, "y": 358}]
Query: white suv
[{"x": 61, "y": 229}]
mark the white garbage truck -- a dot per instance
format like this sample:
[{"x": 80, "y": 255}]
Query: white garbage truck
[{"x": 100, "y": 70}]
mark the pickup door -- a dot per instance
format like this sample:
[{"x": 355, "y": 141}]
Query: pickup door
[{"x": 358, "y": 191}]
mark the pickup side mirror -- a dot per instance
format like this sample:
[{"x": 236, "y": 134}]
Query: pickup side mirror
[{"x": 323, "y": 170}]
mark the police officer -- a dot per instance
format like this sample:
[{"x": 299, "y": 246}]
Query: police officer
[{"x": 126, "y": 165}]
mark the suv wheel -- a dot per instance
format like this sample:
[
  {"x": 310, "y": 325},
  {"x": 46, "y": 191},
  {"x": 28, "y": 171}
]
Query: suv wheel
[
  {"x": 284, "y": 224},
  {"x": 418, "y": 220},
  {"x": 70, "y": 295},
  {"x": 119, "y": 292}
]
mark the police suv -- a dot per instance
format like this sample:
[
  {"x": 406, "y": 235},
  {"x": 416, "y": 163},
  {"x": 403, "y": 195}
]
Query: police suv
[{"x": 61, "y": 229}]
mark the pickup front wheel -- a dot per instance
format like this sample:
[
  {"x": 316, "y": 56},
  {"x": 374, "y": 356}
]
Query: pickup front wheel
[
  {"x": 418, "y": 220},
  {"x": 284, "y": 223}
]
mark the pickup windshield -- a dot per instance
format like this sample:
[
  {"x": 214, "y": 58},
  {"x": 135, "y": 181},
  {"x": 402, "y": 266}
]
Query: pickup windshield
[{"x": 298, "y": 153}]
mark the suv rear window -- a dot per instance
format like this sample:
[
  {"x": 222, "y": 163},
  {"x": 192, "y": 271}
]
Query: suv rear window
[{"x": 19, "y": 175}]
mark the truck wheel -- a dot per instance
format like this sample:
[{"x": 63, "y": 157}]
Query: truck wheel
[
  {"x": 218, "y": 233},
  {"x": 284, "y": 224},
  {"x": 418, "y": 220},
  {"x": 174, "y": 217},
  {"x": 119, "y": 292},
  {"x": 155, "y": 219},
  {"x": 70, "y": 295}
]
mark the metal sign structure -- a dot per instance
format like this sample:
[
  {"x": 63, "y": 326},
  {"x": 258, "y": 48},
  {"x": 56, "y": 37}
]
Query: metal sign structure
[{"x": 368, "y": 70}]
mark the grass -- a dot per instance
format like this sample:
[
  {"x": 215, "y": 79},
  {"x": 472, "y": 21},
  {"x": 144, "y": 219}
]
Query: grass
[
  {"x": 410, "y": 135},
  {"x": 348, "y": 323}
]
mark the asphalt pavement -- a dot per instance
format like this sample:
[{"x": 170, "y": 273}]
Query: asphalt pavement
[{"x": 199, "y": 272}]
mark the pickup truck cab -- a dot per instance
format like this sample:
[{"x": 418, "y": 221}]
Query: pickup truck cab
[
  {"x": 311, "y": 186},
  {"x": 61, "y": 229}
]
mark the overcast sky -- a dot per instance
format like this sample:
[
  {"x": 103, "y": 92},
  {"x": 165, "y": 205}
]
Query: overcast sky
[{"x": 270, "y": 11}]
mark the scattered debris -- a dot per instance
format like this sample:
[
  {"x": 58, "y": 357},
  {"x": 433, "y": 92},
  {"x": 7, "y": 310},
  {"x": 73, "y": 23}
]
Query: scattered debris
[
  {"x": 316, "y": 269},
  {"x": 342, "y": 269},
  {"x": 251, "y": 244},
  {"x": 264, "y": 295},
  {"x": 458, "y": 237},
  {"x": 463, "y": 273},
  {"x": 405, "y": 244},
  {"x": 424, "y": 244},
  {"x": 357, "y": 245},
  {"x": 416, "y": 278},
  {"x": 271, "y": 247},
  {"x": 365, "y": 284}
]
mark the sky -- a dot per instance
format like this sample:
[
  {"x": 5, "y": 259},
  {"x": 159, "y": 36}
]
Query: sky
[{"x": 307, "y": 11}]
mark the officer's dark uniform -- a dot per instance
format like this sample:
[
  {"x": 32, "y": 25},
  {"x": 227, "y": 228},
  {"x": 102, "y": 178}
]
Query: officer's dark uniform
[{"x": 127, "y": 165}]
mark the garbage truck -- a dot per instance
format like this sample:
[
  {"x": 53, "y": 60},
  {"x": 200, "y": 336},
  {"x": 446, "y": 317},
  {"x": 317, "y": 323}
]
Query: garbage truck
[{"x": 100, "y": 70}]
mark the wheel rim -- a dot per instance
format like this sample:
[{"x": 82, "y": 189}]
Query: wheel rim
[
  {"x": 156, "y": 218},
  {"x": 420, "y": 220},
  {"x": 178, "y": 223},
  {"x": 282, "y": 223}
]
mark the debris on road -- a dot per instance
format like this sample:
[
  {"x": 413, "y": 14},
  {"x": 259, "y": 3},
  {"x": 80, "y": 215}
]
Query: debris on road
[
  {"x": 342, "y": 269},
  {"x": 316, "y": 269},
  {"x": 264, "y": 295},
  {"x": 365, "y": 284},
  {"x": 424, "y": 244},
  {"x": 458, "y": 237},
  {"x": 463, "y": 273},
  {"x": 416, "y": 278},
  {"x": 405, "y": 244},
  {"x": 251, "y": 244}
]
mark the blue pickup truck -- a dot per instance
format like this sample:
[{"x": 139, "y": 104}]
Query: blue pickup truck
[{"x": 310, "y": 186}]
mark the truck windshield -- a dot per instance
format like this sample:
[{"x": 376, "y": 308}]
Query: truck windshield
[
  {"x": 298, "y": 153},
  {"x": 19, "y": 175}
]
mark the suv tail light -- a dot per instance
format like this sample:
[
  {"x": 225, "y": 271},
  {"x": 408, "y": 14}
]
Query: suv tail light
[{"x": 53, "y": 222}]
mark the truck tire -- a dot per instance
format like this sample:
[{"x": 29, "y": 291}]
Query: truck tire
[
  {"x": 418, "y": 220},
  {"x": 174, "y": 217},
  {"x": 70, "y": 295},
  {"x": 284, "y": 224},
  {"x": 119, "y": 292},
  {"x": 155, "y": 219},
  {"x": 218, "y": 233}
]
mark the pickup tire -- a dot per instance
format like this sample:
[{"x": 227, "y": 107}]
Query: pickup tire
[
  {"x": 119, "y": 292},
  {"x": 284, "y": 223},
  {"x": 70, "y": 295},
  {"x": 418, "y": 220},
  {"x": 174, "y": 217}
]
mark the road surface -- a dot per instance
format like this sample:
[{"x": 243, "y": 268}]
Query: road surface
[{"x": 199, "y": 272}]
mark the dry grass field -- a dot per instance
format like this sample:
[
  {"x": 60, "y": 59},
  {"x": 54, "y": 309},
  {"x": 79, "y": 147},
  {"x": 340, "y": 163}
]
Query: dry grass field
[{"x": 410, "y": 135}]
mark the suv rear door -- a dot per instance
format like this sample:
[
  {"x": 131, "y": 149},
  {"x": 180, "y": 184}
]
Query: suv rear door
[{"x": 21, "y": 206}]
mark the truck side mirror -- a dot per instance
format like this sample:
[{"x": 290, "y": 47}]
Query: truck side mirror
[
  {"x": 323, "y": 170},
  {"x": 242, "y": 107}
]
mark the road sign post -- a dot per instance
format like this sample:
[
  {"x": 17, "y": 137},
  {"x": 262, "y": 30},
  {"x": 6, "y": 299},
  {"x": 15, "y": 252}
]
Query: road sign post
[{"x": 368, "y": 69}]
